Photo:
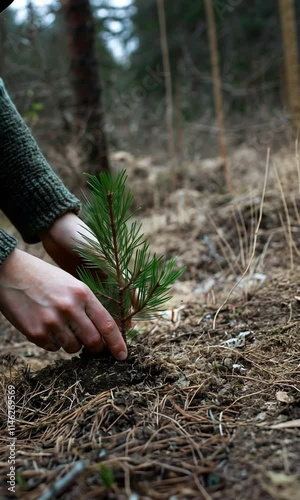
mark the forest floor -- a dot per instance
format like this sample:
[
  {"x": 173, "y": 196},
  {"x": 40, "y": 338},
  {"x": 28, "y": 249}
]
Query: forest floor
[{"x": 207, "y": 406}]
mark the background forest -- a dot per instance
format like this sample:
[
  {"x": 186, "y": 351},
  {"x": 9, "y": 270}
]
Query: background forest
[{"x": 35, "y": 65}]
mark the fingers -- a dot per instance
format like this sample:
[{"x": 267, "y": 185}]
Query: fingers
[
  {"x": 87, "y": 324},
  {"x": 67, "y": 340},
  {"x": 107, "y": 327},
  {"x": 47, "y": 345},
  {"x": 93, "y": 328},
  {"x": 54, "y": 340},
  {"x": 86, "y": 333}
]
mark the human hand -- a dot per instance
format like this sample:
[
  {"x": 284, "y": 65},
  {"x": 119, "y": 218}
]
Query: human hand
[
  {"x": 53, "y": 309},
  {"x": 61, "y": 239}
]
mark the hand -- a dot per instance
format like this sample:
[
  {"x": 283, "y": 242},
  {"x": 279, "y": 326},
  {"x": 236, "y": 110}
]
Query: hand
[
  {"x": 59, "y": 242},
  {"x": 53, "y": 309},
  {"x": 60, "y": 239}
]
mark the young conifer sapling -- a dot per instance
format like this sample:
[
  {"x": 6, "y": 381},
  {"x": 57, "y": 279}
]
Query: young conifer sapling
[{"x": 134, "y": 283}]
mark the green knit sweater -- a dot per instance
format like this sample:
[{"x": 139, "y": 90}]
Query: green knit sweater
[{"x": 31, "y": 194}]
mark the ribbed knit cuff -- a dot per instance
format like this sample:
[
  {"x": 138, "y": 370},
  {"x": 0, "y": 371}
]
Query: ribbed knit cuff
[
  {"x": 7, "y": 244},
  {"x": 39, "y": 204}
]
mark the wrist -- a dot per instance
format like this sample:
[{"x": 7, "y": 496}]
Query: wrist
[
  {"x": 7, "y": 244},
  {"x": 10, "y": 267},
  {"x": 60, "y": 229},
  {"x": 59, "y": 241}
]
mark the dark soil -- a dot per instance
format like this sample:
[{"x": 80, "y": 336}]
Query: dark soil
[{"x": 101, "y": 373}]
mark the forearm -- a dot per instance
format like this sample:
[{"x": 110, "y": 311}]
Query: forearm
[{"x": 31, "y": 194}]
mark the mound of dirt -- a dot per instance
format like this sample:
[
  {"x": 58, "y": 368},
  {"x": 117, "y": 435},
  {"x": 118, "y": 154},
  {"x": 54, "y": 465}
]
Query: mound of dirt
[{"x": 101, "y": 373}]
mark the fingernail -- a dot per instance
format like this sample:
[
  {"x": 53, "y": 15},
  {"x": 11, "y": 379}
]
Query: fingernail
[{"x": 122, "y": 355}]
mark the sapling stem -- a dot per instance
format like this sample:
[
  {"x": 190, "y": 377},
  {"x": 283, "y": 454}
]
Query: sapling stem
[{"x": 118, "y": 270}]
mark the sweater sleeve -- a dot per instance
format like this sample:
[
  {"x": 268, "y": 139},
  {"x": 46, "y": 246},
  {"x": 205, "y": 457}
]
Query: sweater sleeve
[
  {"x": 7, "y": 244},
  {"x": 31, "y": 195}
]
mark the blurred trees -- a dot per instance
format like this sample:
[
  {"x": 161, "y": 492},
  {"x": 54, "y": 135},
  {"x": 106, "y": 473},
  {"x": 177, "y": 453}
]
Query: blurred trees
[
  {"x": 248, "y": 35},
  {"x": 185, "y": 25},
  {"x": 250, "y": 55},
  {"x": 86, "y": 82}
]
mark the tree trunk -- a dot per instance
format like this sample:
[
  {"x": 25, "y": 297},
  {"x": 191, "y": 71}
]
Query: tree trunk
[
  {"x": 168, "y": 83},
  {"x": 218, "y": 98},
  {"x": 86, "y": 82},
  {"x": 179, "y": 128},
  {"x": 289, "y": 34}
]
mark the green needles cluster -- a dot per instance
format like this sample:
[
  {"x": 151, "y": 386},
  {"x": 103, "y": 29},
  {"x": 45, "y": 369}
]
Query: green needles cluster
[{"x": 133, "y": 283}]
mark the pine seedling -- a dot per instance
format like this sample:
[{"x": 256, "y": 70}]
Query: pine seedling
[{"x": 136, "y": 283}]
